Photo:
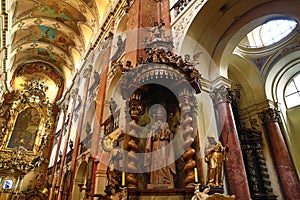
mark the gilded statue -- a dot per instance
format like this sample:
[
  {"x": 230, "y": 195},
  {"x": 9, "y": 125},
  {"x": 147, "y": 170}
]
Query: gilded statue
[
  {"x": 113, "y": 174},
  {"x": 215, "y": 154},
  {"x": 159, "y": 158}
]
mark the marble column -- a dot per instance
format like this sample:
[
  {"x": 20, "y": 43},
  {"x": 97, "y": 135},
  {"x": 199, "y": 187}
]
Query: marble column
[
  {"x": 234, "y": 166},
  {"x": 287, "y": 175}
]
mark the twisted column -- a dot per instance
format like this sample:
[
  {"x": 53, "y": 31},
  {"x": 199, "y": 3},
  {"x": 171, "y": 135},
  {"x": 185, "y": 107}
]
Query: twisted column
[
  {"x": 132, "y": 140},
  {"x": 188, "y": 135},
  {"x": 132, "y": 159},
  {"x": 287, "y": 175},
  {"x": 235, "y": 169}
]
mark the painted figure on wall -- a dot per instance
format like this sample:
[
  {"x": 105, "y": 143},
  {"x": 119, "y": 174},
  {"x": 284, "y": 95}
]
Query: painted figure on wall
[
  {"x": 159, "y": 158},
  {"x": 215, "y": 155},
  {"x": 25, "y": 129}
]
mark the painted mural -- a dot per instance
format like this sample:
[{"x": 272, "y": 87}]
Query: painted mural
[
  {"x": 46, "y": 34},
  {"x": 37, "y": 67},
  {"x": 25, "y": 129},
  {"x": 41, "y": 54},
  {"x": 57, "y": 38},
  {"x": 63, "y": 13}
]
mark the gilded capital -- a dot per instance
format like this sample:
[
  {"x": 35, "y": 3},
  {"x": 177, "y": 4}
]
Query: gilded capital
[
  {"x": 220, "y": 95},
  {"x": 269, "y": 115}
]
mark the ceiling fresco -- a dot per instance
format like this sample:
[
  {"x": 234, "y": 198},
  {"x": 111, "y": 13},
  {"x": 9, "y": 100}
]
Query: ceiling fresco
[
  {"x": 44, "y": 34},
  {"x": 48, "y": 38},
  {"x": 41, "y": 54}
]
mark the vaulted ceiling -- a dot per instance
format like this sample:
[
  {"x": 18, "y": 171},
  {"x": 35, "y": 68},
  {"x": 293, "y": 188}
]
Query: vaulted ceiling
[{"x": 47, "y": 39}]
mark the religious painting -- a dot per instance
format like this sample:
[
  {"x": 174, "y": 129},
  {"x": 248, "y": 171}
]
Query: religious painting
[{"x": 25, "y": 129}]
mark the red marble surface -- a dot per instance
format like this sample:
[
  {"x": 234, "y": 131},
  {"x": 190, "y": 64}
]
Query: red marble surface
[
  {"x": 288, "y": 178},
  {"x": 235, "y": 169}
]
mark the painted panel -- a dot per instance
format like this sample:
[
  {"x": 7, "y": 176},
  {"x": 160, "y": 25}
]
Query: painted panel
[{"x": 26, "y": 129}]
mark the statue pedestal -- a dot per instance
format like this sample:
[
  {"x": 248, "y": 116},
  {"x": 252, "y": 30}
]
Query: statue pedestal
[
  {"x": 160, "y": 186},
  {"x": 160, "y": 194},
  {"x": 214, "y": 190}
]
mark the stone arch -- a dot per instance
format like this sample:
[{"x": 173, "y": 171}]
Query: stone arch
[
  {"x": 80, "y": 179},
  {"x": 250, "y": 20},
  {"x": 275, "y": 84},
  {"x": 66, "y": 184},
  {"x": 113, "y": 92},
  {"x": 227, "y": 31},
  {"x": 88, "y": 127},
  {"x": 244, "y": 72}
]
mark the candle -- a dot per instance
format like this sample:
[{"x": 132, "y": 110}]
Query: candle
[
  {"x": 123, "y": 178},
  {"x": 196, "y": 175}
]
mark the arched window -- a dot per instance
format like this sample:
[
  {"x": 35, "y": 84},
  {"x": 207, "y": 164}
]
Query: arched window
[
  {"x": 269, "y": 33},
  {"x": 292, "y": 92}
]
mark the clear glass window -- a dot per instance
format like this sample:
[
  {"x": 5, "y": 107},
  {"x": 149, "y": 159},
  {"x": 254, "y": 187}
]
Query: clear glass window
[
  {"x": 269, "y": 33},
  {"x": 8, "y": 184},
  {"x": 292, "y": 92}
]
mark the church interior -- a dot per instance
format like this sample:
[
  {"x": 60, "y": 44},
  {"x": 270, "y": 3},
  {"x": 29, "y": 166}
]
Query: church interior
[{"x": 150, "y": 99}]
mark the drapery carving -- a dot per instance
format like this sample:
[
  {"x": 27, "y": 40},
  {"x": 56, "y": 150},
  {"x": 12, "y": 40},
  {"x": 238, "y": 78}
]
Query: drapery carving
[{"x": 159, "y": 142}]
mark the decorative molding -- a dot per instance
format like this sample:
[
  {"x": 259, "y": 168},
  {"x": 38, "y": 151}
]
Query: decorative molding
[
  {"x": 252, "y": 110},
  {"x": 218, "y": 82},
  {"x": 181, "y": 23}
]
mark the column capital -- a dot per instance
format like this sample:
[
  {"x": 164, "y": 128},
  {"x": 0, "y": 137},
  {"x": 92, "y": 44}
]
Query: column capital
[
  {"x": 269, "y": 115},
  {"x": 220, "y": 95}
]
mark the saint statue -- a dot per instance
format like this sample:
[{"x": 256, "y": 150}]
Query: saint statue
[
  {"x": 215, "y": 154},
  {"x": 159, "y": 157},
  {"x": 113, "y": 175}
]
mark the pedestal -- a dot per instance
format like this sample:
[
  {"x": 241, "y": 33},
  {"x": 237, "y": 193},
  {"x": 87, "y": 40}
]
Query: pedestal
[{"x": 160, "y": 186}]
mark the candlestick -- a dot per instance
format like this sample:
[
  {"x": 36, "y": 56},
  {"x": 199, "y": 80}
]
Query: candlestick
[
  {"x": 123, "y": 178},
  {"x": 196, "y": 175}
]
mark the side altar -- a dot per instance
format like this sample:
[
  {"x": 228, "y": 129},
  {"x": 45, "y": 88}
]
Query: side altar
[{"x": 157, "y": 156}]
